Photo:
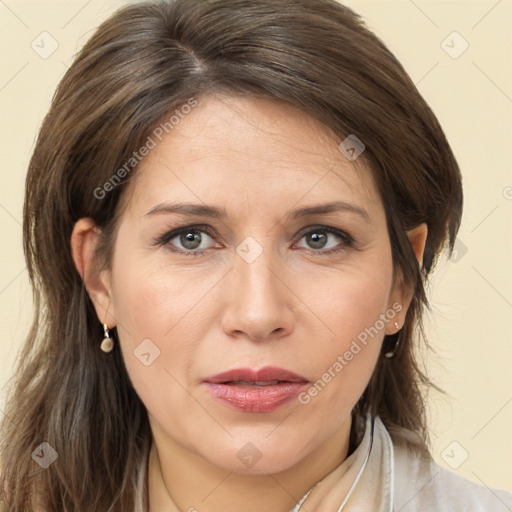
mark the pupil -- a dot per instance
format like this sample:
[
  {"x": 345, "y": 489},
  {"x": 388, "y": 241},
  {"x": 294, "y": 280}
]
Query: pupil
[
  {"x": 191, "y": 240},
  {"x": 318, "y": 241}
]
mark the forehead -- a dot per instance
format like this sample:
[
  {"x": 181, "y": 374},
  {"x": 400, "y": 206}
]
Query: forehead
[{"x": 255, "y": 151}]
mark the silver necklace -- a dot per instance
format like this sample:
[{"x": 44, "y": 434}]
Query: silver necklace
[{"x": 298, "y": 507}]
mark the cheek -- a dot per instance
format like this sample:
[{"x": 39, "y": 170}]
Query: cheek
[
  {"x": 160, "y": 328},
  {"x": 141, "y": 308},
  {"x": 158, "y": 345},
  {"x": 151, "y": 301},
  {"x": 355, "y": 314}
]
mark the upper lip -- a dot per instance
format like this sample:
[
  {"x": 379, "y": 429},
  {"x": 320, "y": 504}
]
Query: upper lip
[{"x": 269, "y": 373}]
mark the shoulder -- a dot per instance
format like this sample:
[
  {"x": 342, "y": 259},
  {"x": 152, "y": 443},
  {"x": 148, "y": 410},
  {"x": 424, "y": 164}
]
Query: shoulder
[{"x": 421, "y": 484}]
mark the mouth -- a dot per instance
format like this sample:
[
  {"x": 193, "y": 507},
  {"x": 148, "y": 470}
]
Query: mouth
[
  {"x": 255, "y": 391},
  {"x": 265, "y": 376},
  {"x": 258, "y": 384}
]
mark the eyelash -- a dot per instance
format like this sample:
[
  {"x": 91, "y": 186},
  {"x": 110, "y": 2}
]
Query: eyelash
[{"x": 347, "y": 240}]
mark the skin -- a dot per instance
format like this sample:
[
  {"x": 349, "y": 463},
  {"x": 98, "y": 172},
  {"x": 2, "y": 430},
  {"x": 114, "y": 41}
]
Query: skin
[{"x": 294, "y": 307}]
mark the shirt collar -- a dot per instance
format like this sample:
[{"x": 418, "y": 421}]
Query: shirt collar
[{"x": 363, "y": 482}]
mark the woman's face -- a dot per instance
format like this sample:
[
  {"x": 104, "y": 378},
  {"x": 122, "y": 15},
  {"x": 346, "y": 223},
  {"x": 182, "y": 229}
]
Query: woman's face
[{"x": 259, "y": 284}]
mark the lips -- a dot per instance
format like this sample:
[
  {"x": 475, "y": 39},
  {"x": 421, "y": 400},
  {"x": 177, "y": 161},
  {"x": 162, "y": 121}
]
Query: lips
[{"x": 249, "y": 390}]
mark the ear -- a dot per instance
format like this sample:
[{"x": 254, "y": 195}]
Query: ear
[
  {"x": 402, "y": 293},
  {"x": 84, "y": 240}
]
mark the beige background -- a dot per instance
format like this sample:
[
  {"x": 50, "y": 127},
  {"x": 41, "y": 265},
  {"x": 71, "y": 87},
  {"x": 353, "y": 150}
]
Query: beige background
[{"x": 471, "y": 94}]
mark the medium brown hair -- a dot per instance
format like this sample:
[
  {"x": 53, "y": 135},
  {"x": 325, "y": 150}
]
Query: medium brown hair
[{"x": 141, "y": 64}]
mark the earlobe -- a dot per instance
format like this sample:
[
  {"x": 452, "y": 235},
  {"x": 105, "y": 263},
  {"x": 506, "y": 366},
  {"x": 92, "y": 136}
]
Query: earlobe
[{"x": 84, "y": 240}]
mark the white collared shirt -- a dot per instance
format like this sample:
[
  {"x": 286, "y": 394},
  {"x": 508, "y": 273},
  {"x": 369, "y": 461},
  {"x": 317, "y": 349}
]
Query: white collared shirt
[{"x": 397, "y": 478}]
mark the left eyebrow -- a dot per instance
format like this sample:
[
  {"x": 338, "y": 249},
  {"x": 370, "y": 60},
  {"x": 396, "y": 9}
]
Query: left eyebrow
[
  {"x": 204, "y": 210},
  {"x": 199, "y": 210}
]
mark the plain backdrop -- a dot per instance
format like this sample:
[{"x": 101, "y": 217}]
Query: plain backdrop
[{"x": 458, "y": 53}]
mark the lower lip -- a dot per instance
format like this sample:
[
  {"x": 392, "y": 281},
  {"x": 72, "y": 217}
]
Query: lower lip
[{"x": 253, "y": 398}]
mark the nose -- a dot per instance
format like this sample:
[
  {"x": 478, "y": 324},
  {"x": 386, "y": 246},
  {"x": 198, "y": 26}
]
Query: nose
[{"x": 259, "y": 304}]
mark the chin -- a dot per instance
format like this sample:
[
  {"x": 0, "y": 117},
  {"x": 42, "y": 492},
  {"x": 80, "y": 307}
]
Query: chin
[{"x": 256, "y": 457}]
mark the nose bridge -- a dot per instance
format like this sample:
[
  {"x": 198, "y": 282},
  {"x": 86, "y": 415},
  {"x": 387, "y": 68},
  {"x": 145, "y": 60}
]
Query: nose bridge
[{"x": 259, "y": 302}]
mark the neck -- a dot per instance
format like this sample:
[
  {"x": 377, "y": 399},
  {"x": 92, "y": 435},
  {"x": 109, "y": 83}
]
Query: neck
[{"x": 182, "y": 481}]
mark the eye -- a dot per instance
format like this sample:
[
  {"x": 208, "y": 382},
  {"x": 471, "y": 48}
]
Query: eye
[
  {"x": 190, "y": 241},
  {"x": 318, "y": 239}
]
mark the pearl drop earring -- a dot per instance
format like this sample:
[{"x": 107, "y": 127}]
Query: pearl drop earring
[{"x": 108, "y": 343}]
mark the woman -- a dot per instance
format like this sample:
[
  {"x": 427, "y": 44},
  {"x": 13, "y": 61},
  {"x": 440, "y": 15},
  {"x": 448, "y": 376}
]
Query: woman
[{"x": 230, "y": 215}]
